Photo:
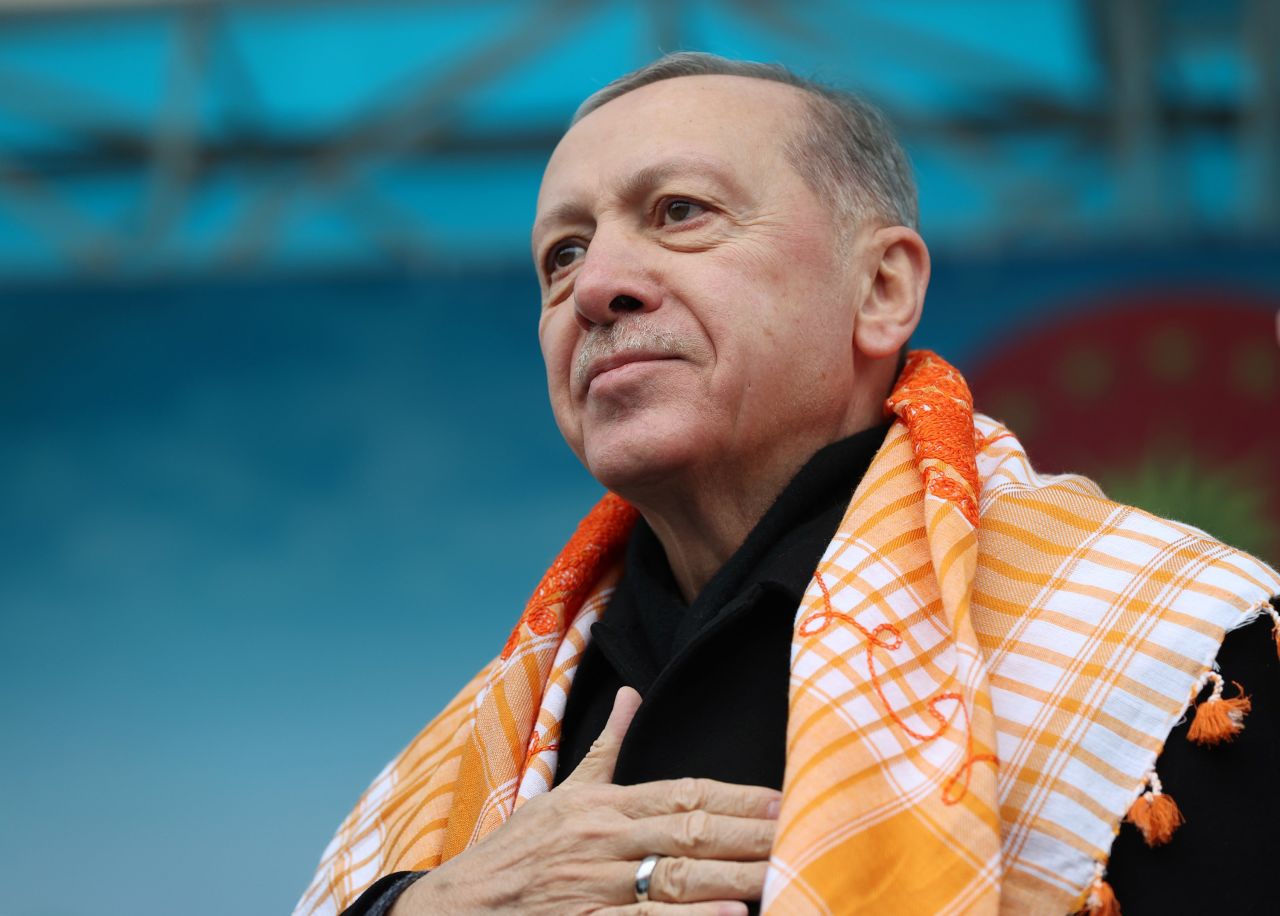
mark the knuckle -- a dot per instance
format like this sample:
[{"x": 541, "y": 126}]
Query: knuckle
[
  {"x": 695, "y": 830},
  {"x": 687, "y": 793},
  {"x": 676, "y": 879},
  {"x": 598, "y": 747}
]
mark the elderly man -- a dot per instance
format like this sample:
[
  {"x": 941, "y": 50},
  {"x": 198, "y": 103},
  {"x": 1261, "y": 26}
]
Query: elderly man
[{"x": 829, "y": 642}]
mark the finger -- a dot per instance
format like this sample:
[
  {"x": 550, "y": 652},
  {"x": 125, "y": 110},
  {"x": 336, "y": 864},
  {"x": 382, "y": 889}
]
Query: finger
[
  {"x": 669, "y": 796},
  {"x": 702, "y": 836},
  {"x": 679, "y": 879},
  {"x": 598, "y": 764},
  {"x": 657, "y": 908}
]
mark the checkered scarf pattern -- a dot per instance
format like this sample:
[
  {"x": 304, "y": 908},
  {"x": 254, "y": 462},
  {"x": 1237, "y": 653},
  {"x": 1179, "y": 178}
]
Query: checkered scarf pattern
[{"x": 984, "y": 668}]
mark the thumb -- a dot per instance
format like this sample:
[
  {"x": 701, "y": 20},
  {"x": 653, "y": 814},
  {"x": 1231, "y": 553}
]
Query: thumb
[{"x": 598, "y": 765}]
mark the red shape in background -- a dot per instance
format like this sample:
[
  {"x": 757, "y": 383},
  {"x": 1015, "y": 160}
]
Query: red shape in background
[{"x": 1207, "y": 412}]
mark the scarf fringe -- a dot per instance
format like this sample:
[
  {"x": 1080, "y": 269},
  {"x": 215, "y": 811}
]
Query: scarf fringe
[
  {"x": 1102, "y": 899},
  {"x": 1218, "y": 721},
  {"x": 1154, "y": 813},
  {"x": 1273, "y": 608}
]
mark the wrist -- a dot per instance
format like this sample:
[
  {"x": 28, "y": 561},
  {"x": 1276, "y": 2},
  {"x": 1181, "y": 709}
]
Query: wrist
[
  {"x": 412, "y": 900},
  {"x": 434, "y": 893}
]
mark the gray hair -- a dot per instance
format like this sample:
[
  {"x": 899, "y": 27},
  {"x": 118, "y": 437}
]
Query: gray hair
[{"x": 845, "y": 151}]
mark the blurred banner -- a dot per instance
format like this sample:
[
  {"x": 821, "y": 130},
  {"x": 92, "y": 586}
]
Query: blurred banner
[{"x": 1168, "y": 399}]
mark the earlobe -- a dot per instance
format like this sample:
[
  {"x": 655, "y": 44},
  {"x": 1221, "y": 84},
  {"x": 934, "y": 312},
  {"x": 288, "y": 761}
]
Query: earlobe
[{"x": 892, "y": 306}]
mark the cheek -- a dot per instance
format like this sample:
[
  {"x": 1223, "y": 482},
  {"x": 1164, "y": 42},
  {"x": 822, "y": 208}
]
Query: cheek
[
  {"x": 557, "y": 343},
  {"x": 812, "y": 306},
  {"x": 767, "y": 301},
  {"x": 780, "y": 322}
]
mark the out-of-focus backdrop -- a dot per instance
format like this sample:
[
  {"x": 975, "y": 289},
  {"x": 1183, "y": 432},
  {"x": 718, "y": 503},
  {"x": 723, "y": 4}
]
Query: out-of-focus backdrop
[{"x": 276, "y": 469}]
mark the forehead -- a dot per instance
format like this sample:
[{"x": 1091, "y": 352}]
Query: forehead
[{"x": 737, "y": 122}]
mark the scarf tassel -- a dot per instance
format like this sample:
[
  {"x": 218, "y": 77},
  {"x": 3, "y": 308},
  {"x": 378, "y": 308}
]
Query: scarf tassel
[
  {"x": 1273, "y": 608},
  {"x": 1102, "y": 899},
  {"x": 1218, "y": 720},
  {"x": 1154, "y": 813}
]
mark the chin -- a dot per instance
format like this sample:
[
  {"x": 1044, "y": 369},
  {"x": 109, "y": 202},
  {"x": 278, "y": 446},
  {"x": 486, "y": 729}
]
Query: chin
[{"x": 632, "y": 463}]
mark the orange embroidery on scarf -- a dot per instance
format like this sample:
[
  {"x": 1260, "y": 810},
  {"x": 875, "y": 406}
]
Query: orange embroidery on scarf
[
  {"x": 981, "y": 442},
  {"x": 934, "y": 402},
  {"x": 510, "y": 646},
  {"x": 536, "y": 747},
  {"x": 542, "y": 621},
  {"x": 594, "y": 546},
  {"x": 943, "y": 487},
  {"x": 875, "y": 640}
]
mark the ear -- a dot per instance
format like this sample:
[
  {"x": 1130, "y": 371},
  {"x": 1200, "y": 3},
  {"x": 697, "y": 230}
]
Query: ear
[{"x": 891, "y": 308}]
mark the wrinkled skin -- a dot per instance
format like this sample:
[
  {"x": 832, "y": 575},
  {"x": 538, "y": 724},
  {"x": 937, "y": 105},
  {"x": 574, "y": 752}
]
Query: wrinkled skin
[
  {"x": 575, "y": 850},
  {"x": 675, "y": 233}
]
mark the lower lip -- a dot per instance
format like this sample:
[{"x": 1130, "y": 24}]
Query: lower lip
[{"x": 620, "y": 373}]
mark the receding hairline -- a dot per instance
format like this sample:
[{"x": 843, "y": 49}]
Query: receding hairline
[
  {"x": 843, "y": 146},
  {"x": 800, "y": 93},
  {"x": 803, "y": 97},
  {"x": 807, "y": 101}
]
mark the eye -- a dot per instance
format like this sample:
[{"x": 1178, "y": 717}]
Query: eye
[
  {"x": 679, "y": 210},
  {"x": 563, "y": 255}
]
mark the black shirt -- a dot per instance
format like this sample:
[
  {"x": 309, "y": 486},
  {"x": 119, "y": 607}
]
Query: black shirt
[{"x": 714, "y": 674}]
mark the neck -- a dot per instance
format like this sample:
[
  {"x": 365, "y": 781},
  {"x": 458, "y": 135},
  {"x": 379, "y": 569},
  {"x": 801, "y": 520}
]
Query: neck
[
  {"x": 702, "y": 513},
  {"x": 701, "y": 523},
  {"x": 702, "y": 516}
]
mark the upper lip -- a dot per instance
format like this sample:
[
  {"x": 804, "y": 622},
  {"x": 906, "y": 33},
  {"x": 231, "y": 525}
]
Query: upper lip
[{"x": 614, "y": 360}]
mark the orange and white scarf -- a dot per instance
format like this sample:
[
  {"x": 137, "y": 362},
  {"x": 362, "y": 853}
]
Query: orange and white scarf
[{"x": 984, "y": 669}]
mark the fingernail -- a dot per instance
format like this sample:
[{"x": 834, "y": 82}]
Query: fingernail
[
  {"x": 774, "y": 807},
  {"x": 733, "y": 909}
]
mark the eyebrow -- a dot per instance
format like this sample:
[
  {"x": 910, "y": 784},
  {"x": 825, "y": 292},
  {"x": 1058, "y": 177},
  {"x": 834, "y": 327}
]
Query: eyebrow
[
  {"x": 650, "y": 176},
  {"x": 568, "y": 211},
  {"x": 637, "y": 185}
]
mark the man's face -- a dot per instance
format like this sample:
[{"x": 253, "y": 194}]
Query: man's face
[{"x": 695, "y": 308}]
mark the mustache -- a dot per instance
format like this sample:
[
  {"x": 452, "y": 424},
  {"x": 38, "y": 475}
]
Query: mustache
[{"x": 636, "y": 336}]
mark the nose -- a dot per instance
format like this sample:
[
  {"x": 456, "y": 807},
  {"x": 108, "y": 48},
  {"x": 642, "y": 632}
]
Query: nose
[{"x": 612, "y": 281}]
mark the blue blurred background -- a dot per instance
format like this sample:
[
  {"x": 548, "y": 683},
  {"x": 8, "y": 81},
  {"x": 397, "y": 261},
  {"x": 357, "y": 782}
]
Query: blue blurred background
[{"x": 276, "y": 467}]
